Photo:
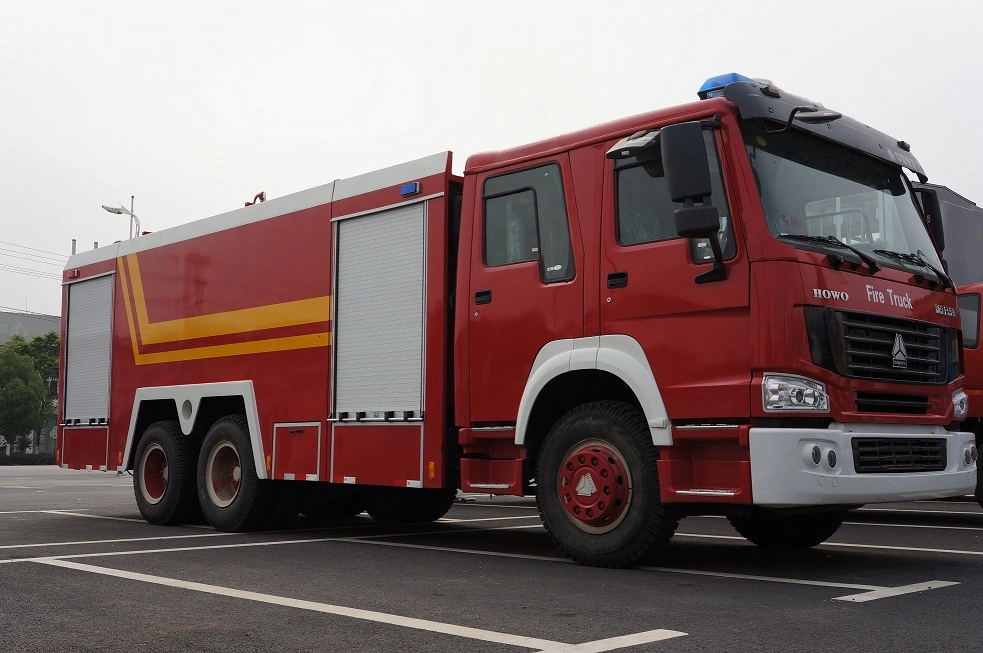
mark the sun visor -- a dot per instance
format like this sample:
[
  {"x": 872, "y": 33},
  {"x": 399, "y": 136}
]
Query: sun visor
[{"x": 757, "y": 101}]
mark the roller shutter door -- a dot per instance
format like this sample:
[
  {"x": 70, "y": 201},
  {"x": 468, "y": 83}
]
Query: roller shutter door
[
  {"x": 379, "y": 312},
  {"x": 87, "y": 354}
]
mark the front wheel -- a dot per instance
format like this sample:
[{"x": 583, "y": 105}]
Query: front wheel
[
  {"x": 788, "y": 532},
  {"x": 598, "y": 486}
]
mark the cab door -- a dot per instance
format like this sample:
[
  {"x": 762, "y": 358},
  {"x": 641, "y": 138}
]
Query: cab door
[
  {"x": 525, "y": 290},
  {"x": 696, "y": 336}
]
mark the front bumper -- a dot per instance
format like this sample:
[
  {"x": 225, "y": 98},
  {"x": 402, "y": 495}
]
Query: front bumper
[{"x": 784, "y": 475}]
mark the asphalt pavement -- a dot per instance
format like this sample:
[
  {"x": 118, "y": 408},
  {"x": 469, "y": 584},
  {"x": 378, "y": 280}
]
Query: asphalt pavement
[{"x": 81, "y": 571}]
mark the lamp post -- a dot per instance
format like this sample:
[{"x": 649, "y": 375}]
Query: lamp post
[{"x": 122, "y": 210}]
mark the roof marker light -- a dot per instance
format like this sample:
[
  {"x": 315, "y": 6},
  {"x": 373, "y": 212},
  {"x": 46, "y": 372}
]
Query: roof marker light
[
  {"x": 713, "y": 86},
  {"x": 411, "y": 188}
]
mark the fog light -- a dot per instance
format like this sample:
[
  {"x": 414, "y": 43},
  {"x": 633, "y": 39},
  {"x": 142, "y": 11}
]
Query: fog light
[
  {"x": 831, "y": 459},
  {"x": 974, "y": 453},
  {"x": 817, "y": 455},
  {"x": 968, "y": 457}
]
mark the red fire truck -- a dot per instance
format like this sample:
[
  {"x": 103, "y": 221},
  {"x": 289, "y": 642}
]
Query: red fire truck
[
  {"x": 956, "y": 224},
  {"x": 718, "y": 307}
]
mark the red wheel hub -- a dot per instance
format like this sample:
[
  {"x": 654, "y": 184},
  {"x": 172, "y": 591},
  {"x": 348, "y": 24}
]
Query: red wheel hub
[
  {"x": 154, "y": 474},
  {"x": 594, "y": 485}
]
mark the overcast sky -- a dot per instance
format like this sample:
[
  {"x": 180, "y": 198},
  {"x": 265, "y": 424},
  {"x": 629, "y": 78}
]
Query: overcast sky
[{"x": 194, "y": 107}]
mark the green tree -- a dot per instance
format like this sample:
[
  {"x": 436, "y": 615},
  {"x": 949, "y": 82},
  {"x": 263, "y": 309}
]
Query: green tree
[{"x": 28, "y": 389}]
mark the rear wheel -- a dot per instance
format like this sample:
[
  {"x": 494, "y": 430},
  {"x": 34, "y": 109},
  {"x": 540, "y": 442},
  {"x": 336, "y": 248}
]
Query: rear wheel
[
  {"x": 395, "y": 505},
  {"x": 163, "y": 478},
  {"x": 598, "y": 486},
  {"x": 788, "y": 532},
  {"x": 232, "y": 496}
]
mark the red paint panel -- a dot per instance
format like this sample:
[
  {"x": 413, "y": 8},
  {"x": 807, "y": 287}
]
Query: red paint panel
[
  {"x": 524, "y": 314},
  {"x": 492, "y": 476},
  {"x": 377, "y": 454},
  {"x": 295, "y": 450},
  {"x": 695, "y": 336},
  {"x": 84, "y": 447}
]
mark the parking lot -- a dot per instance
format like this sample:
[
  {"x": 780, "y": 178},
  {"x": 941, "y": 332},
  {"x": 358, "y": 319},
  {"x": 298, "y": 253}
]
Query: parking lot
[{"x": 80, "y": 570}]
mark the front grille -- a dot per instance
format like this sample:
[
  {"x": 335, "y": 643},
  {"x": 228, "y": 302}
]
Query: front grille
[
  {"x": 882, "y": 455},
  {"x": 882, "y": 348},
  {"x": 876, "y": 402}
]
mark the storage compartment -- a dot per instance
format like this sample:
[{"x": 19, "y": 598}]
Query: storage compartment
[
  {"x": 377, "y": 454},
  {"x": 296, "y": 451},
  {"x": 378, "y": 322},
  {"x": 87, "y": 351},
  {"x": 85, "y": 448}
]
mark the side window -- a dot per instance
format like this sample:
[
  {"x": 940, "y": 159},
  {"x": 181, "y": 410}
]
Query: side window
[
  {"x": 645, "y": 212},
  {"x": 525, "y": 219},
  {"x": 969, "y": 310}
]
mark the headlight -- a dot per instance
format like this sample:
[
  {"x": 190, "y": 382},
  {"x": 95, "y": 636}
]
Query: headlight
[
  {"x": 785, "y": 392},
  {"x": 960, "y": 404}
]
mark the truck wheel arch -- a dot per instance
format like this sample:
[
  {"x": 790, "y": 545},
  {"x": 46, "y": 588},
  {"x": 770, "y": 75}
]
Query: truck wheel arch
[
  {"x": 619, "y": 355},
  {"x": 187, "y": 402}
]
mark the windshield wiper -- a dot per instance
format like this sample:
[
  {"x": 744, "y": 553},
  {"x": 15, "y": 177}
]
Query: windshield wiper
[
  {"x": 833, "y": 240},
  {"x": 921, "y": 260}
]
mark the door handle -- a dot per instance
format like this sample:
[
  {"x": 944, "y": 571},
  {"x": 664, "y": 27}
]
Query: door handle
[
  {"x": 617, "y": 280},
  {"x": 482, "y": 297}
]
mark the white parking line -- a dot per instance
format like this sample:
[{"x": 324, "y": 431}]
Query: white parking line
[
  {"x": 974, "y": 513},
  {"x": 872, "y": 591},
  {"x": 68, "y": 513},
  {"x": 542, "y": 645},
  {"x": 464, "y": 521},
  {"x": 30, "y": 512},
  {"x": 895, "y": 591},
  {"x": 117, "y": 541}
]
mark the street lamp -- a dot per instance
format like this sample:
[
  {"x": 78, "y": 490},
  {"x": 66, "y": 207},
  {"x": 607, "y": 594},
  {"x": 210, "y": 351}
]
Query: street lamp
[{"x": 122, "y": 210}]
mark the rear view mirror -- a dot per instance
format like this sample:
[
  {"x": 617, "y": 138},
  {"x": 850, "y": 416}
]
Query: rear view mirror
[
  {"x": 684, "y": 157},
  {"x": 929, "y": 199},
  {"x": 697, "y": 222}
]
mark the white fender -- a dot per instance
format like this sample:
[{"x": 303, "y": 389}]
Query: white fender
[
  {"x": 187, "y": 399},
  {"x": 620, "y": 355}
]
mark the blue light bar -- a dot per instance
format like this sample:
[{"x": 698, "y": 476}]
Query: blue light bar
[
  {"x": 411, "y": 188},
  {"x": 713, "y": 86}
]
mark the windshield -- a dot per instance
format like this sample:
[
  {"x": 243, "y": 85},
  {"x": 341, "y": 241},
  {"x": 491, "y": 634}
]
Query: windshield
[{"x": 812, "y": 187}]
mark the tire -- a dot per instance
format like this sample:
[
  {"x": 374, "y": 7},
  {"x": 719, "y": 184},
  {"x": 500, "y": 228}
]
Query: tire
[
  {"x": 232, "y": 496},
  {"x": 788, "y": 532},
  {"x": 408, "y": 505},
  {"x": 163, "y": 478},
  {"x": 598, "y": 487},
  {"x": 332, "y": 501}
]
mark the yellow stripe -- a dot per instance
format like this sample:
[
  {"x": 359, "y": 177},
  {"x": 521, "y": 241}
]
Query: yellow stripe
[
  {"x": 272, "y": 316},
  {"x": 237, "y": 349},
  {"x": 129, "y": 312},
  {"x": 264, "y": 317}
]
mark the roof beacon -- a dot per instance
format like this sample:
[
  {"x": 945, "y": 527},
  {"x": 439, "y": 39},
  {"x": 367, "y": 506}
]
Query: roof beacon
[{"x": 714, "y": 86}]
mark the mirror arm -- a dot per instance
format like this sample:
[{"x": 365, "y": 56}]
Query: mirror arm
[{"x": 719, "y": 271}]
